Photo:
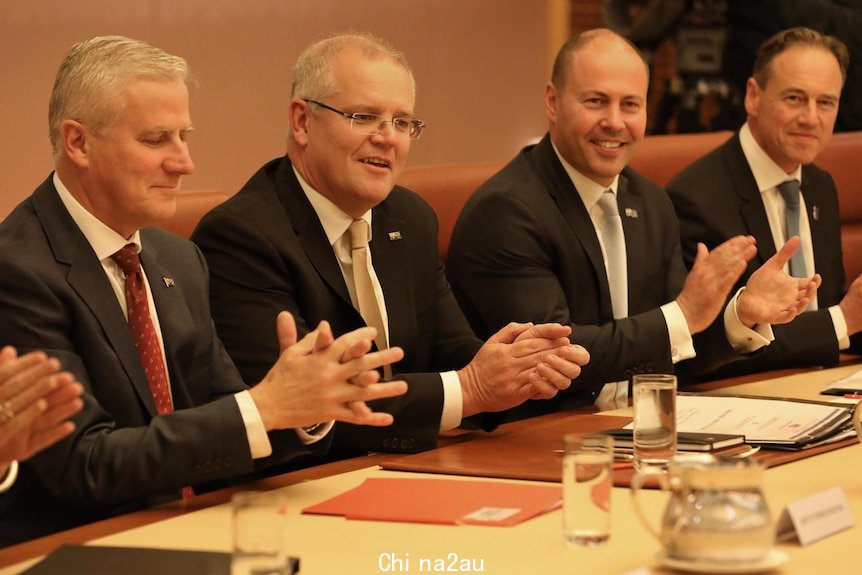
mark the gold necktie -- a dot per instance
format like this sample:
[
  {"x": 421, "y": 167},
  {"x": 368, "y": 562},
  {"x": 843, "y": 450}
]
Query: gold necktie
[{"x": 369, "y": 307}]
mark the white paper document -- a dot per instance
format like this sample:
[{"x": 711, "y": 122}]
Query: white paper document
[
  {"x": 771, "y": 421},
  {"x": 850, "y": 384}
]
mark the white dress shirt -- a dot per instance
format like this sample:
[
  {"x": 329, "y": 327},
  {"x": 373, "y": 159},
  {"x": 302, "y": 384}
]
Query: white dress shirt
[
  {"x": 105, "y": 242},
  {"x": 681, "y": 342},
  {"x": 768, "y": 176},
  {"x": 9, "y": 479},
  {"x": 335, "y": 223}
]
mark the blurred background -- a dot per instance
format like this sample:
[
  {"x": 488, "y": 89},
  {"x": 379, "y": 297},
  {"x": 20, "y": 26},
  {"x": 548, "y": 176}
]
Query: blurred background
[{"x": 481, "y": 67}]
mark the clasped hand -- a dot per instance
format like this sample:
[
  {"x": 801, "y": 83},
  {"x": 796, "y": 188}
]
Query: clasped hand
[{"x": 521, "y": 361}]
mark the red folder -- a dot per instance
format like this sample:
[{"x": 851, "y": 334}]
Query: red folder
[{"x": 443, "y": 501}]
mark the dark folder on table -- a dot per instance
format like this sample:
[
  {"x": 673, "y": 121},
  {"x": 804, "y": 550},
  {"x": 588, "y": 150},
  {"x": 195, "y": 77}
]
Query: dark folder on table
[{"x": 91, "y": 559}]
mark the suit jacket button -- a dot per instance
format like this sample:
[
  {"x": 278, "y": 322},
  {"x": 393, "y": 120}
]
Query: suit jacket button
[
  {"x": 411, "y": 444},
  {"x": 386, "y": 442},
  {"x": 207, "y": 467},
  {"x": 217, "y": 464},
  {"x": 196, "y": 470},
  {"x": 405, "y": 443},
  {"x": 228, "y": 461}
]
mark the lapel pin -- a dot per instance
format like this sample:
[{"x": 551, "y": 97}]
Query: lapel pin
[
  {"x": 396, "y": 235},
  {"x": 169, "y": 282},
  {"x": 815, "y": 213},
  {"x": 631, "y": 213}
]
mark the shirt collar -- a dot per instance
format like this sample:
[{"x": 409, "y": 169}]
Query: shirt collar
[
  {"x": 766, "y": 172},
  {"x": 334, "y": 221},
  {"x": 589, "y": 190},
  {"x": 104, "y": 241}
]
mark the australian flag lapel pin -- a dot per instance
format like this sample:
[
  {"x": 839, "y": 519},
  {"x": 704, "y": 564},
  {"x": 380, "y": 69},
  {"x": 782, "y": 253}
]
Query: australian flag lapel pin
[
  {"x": 394, "y": 236},
  {"x": 169, "y": 282}
]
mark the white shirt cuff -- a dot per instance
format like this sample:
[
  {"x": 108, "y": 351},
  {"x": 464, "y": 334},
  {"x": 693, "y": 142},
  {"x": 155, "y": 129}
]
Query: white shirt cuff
[
  {"x": 258, "y": 440},
  {"x": 740, "y": 337},
  {"x": 840, "y": 325},
  {"x": 681, "y": 344},
  {"x": 453, "y": 401},
  {"x": 315, "y": 433},
  {"x": 11, "y": 475}
]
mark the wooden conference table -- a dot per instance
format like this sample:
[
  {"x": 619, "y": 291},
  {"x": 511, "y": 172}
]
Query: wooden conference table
[{"x": 335, "y": 545}]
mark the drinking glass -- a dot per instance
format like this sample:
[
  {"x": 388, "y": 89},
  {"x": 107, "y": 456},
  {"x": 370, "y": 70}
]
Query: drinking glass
[
  {"x": 654, "y": 403},
  {"x": 587, "y": 480},
  {"x": 258, "y": 534}
]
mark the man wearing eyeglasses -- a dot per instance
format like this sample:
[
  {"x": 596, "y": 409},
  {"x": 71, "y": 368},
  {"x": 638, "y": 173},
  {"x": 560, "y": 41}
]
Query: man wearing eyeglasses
[
  {"x": 123, "y": 307},
  {"x": 297, "y": 237},
  {"x": 568, "y": 233}
]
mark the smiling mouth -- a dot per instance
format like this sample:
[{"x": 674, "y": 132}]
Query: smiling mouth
[
  {"x": 377, "y": 162},
  {"x": 608, "y": 145}
]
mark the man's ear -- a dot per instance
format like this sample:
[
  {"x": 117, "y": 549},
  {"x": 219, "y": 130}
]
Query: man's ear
[
  {"x": 75, "y": 142},
  {"x": 752, "y": 96},
  {"x": 551, "y": 102},
  {"x": 298, "y": 117}
]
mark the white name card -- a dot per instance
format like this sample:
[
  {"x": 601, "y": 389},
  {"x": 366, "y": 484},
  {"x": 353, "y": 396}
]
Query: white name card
[{"x": 815, "y": 517}]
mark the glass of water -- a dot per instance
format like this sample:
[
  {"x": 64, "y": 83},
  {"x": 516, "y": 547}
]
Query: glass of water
[
  {"x": 654, "y": 403},
  {"x": 258, "y": 534},
  {"x": 587, "y": 481}
]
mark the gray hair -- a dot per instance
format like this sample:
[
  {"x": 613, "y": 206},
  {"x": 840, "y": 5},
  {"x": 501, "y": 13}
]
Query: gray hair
[
  {"x": 91, "y": 73},
  {"x": 312, "y": 76}
]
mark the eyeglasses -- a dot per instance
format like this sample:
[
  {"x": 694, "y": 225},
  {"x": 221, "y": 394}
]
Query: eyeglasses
[{"x": 373, "y": 123}]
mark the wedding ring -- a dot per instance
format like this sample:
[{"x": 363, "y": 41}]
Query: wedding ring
[{"x": 6, "y": 411}]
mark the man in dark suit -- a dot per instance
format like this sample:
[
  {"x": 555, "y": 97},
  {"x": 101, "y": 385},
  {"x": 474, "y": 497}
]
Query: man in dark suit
[
  {"x": 792, "y": 102},
  {"x": 528, "y": 244},
  {"x": 285, "y": 241},
  {"x": 164, "y": 407}
]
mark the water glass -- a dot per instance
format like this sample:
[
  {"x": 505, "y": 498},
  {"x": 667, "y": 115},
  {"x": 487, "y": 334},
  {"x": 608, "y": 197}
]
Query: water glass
[
  {"x": 654, "y": 403},
  {"x": 587, "y": 481},
  {"x": 258, "y": 534}
]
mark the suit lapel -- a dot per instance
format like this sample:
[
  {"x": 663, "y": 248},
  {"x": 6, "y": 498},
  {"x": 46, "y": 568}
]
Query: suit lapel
[
  {"x": 633, "y": 212},
  {"x": 308, "y": 230},
  {"x": 390, "y": 256},
  {"x": 563, "y": 191},
  {"x": 175, "y": 319},
  {"x": 818, "y": 234},
  {"x": 87, "y": 277},
  {"x": 751, "y": 203}
]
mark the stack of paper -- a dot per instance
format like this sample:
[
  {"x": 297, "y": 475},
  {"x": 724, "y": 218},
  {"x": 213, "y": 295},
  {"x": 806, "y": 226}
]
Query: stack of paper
[
  {"x": 852, "y": 384},
  {"x": 776, "y": 423}
]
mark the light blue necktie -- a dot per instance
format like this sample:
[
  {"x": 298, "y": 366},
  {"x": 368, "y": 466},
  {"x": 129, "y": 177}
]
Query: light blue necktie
[{"x": 790, "y": 192}]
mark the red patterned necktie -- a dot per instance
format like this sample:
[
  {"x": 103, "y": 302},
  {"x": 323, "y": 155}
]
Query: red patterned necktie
[
  {"x": 144, "y": 333},
  {"x": 141, "y": 326}
]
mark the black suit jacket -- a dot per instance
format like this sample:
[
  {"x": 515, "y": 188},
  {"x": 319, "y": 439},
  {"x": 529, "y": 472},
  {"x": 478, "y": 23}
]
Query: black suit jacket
[
  {"x": 525, "y": 249},
  {"x": 56, "y": 297},
  {"x": 267, "y": 252},
  {"x": 716, "y": 198}
]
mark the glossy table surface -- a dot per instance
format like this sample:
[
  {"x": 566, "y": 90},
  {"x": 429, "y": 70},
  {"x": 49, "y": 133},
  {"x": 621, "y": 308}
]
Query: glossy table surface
[{"x": 335, "y": 545}]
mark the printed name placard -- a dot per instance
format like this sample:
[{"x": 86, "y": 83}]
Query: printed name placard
[{"x": 813, "y": 518}]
